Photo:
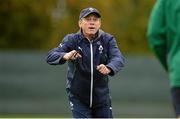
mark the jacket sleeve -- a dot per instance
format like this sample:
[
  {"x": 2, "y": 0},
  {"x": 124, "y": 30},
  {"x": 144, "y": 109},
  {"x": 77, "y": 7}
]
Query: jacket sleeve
[
  {"x": 116, "y": 60},
  {"x": 55, "y": 56},
  {"x": 157, "y": 32}
]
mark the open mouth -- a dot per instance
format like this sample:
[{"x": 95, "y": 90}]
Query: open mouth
[{"x": 92, "y": 28}]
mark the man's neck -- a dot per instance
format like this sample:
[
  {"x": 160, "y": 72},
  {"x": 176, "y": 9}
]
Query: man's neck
[{"x": 91, "y": 36}]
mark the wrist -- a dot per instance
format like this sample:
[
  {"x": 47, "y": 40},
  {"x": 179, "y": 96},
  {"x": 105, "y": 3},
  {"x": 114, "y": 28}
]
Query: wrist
[
  {"x": 65, "y": 57},
  {"x": 109, "y": 69}
]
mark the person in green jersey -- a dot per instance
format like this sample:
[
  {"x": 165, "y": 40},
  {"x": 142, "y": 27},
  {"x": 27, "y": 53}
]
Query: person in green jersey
[{"x": 164, "y": 39}]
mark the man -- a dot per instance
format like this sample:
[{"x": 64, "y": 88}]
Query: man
[
  {"x": 164, "y": 39},
  {"x": 92, "y": 55}
]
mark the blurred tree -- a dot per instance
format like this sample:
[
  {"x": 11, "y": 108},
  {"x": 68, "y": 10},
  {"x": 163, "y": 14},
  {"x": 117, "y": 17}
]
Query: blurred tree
[
  {"x": 41, "y": 24},
  {"x": 25, "y": 24}
]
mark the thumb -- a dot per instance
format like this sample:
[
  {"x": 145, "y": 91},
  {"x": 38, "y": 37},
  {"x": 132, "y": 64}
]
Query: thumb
[{"x": 99, "y": 67}]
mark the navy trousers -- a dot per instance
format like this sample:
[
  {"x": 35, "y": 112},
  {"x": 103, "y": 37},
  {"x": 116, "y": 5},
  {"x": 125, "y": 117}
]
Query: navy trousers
[
  {"x": 175, "y": 92},
  {"x": 81, "y": 110}
]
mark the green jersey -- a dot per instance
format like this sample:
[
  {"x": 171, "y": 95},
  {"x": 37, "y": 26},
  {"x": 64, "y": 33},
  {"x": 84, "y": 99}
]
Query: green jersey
[{"x": 164, "y": 36}]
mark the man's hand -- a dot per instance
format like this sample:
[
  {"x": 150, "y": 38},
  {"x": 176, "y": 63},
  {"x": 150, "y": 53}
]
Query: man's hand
[
  {"x": 72, "y": 55},
  {"x": 103, "y": 69}
]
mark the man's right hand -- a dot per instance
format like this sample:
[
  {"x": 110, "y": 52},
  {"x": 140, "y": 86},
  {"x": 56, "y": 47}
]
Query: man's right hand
[{"x": 72, "y": 55}]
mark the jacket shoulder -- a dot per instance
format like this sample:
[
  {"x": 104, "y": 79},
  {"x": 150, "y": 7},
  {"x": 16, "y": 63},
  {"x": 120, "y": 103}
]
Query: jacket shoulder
[
  {"x": 72, "y": 36},
  {"x": 107, "y": 37},
  {"x": 107, "y": 34}
]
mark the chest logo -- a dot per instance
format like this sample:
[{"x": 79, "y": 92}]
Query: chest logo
[{"x": 100, "y": 49}]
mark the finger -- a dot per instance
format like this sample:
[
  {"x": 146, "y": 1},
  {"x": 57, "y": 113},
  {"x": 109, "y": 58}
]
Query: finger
[
  {"x": 78, "y": 55},
  {"x": 72, "y": 54},
  {"x": 75, "y": 55},
  {"x": 99, "y": 67},
  {"x": 104, "y": 70}
]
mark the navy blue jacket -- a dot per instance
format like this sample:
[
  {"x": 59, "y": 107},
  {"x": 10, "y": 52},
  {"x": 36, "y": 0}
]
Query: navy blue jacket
[{"x": 84, "y": 81}]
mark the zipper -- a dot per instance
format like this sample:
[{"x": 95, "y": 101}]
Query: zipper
[{"x": 91, "y": 91}]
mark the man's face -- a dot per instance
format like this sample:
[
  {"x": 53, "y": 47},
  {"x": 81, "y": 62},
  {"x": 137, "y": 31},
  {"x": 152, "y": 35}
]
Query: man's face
[{"x": 90, "y": 24}]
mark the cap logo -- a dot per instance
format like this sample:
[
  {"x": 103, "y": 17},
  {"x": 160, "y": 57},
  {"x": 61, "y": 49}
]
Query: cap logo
[{"x": 91, "y": 9}]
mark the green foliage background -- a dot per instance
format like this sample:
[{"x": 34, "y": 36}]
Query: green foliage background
[{"x": 41, "y": 24}]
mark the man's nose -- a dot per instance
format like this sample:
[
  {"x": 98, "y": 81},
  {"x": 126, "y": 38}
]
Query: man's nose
[{"x": 91, "y": 22}]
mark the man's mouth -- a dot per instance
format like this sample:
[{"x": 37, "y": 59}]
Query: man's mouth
[{"x": 91, "y": 28}]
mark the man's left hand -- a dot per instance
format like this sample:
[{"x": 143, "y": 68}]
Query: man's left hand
[{"x": 103, "y": 69}]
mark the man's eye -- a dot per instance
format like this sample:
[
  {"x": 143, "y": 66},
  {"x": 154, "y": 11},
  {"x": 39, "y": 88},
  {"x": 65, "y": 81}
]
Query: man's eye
[{"x": 91, "y": 19}]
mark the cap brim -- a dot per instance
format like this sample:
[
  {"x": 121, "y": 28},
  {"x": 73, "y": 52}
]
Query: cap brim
[{"x": 92, "y": 13}]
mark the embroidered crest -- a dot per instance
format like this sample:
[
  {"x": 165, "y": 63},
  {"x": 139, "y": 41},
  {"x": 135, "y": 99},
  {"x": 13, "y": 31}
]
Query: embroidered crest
[{"x": 100, "y": 49}]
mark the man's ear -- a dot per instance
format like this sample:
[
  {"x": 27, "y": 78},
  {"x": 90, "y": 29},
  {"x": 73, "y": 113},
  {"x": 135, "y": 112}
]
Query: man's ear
[
  {"x": 80, "y": 21},
  {"x": 100, "y": 23}
]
